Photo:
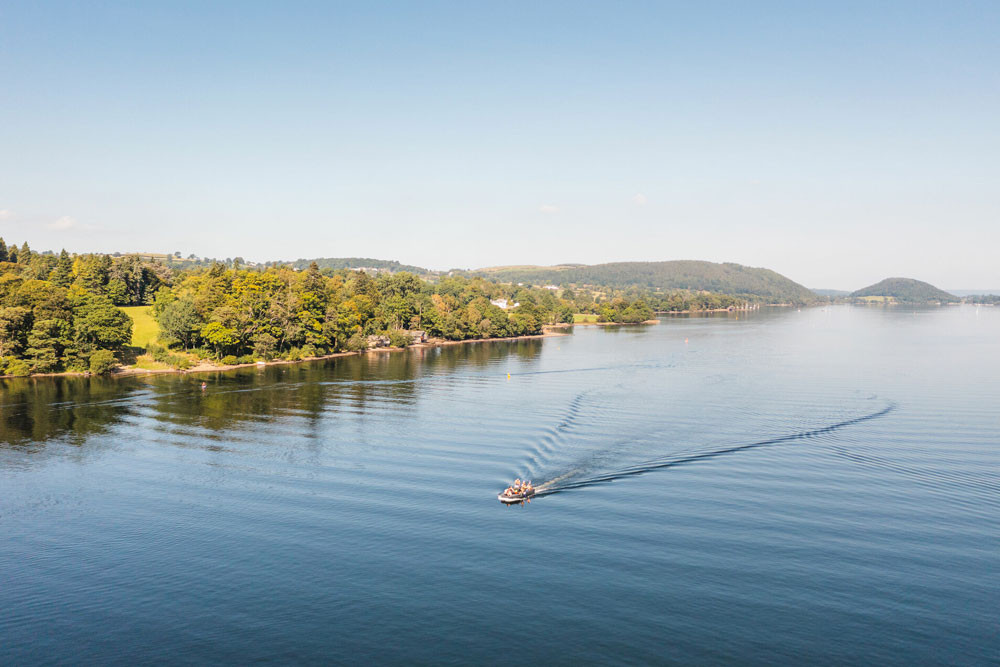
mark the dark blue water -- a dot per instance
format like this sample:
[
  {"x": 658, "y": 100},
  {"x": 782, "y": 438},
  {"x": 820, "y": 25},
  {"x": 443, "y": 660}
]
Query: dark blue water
[{"x": 819, "y": 486}]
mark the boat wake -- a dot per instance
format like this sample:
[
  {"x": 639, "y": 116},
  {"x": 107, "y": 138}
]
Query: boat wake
[{"x": 583, "y": 476}]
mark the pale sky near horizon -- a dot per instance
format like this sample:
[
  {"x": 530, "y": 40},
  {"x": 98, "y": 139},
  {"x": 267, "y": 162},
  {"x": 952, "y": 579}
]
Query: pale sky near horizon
[{"x": 837, "y": 144}]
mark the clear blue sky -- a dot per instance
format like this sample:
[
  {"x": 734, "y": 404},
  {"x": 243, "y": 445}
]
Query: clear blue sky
[{"x": 837, "y": 144}]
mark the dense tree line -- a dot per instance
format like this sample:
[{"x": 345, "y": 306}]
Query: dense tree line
[
  {"x": 677, "y": 301},
  {"x": 54, "y": 317},
  {"x": 991, "y": 299},
  {"x": 60, "y": 312},
  {"x": 748, "y": 283},
  {"x": 391, "y": 266},
  {"x": 656, "y": 301},
  {"x": 279, "y": 311}
]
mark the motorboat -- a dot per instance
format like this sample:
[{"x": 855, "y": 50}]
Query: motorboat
[{"x": 516, "y": 496}]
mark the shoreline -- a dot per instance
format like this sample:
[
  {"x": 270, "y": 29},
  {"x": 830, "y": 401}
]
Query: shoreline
[
  {"x": 548, "y": 331},
  {"x": 718, "y": 310},
  {"x": 614, "y": 324}
]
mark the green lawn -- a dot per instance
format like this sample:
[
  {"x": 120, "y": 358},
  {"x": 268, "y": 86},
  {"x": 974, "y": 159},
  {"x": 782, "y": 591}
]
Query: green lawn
[
  {"x": 584, "y": 317},
  {"x": 145, "y": 329}
]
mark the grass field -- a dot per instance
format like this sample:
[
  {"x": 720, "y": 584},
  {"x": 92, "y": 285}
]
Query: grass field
[
  {"x": 584, "y": 317},
  {"x": 145, "y": 329}
]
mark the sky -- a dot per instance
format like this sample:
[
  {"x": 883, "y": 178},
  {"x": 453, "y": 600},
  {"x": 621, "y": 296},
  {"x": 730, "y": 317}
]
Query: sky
[{"x": 837, "y": 143}]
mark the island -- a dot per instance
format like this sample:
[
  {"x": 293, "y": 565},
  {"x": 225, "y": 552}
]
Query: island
[{"x": 903, "y": 290}]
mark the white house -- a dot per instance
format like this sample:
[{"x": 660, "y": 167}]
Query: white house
[{"x": 503, "y": 303}]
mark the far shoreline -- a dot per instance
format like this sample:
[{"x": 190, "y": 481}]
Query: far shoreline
[{"x": 614, "y": 324}]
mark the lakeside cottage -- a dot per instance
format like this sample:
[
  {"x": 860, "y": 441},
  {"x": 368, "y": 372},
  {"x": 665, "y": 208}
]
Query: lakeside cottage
[
  {"x": 375, "y": 341},
  {"x": 416, "y": 335},
  {"x": 504, "y": 304},
  {"x": 379, "y": 340}
]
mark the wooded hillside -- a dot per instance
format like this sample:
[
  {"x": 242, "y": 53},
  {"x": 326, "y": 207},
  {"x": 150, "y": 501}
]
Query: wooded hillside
[
  {"x": 760, "y": 285},
  {"x": 907, "y": 290}
]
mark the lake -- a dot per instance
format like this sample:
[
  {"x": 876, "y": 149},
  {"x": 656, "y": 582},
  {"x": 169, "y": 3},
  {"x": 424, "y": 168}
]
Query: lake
[{"x": 777, "y": 486}]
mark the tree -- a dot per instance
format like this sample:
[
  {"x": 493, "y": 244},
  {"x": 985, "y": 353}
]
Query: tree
[
  {"x": 118, "y": 292},
  {"x": 3, "y": 250},
  {"x": 46, "y": 342},
  {"x": 93, "y": 273},
  {"x": 220, "y": 337},
  {"x": 102, "y": 362},
  {"x": 62, "y": 275},
  {"x": 24, "y": 254},
  {"x": 179, "y": 322},
  {"x": 164, "y": 298},
  {"x": 15, "y": 323},
  {"x": 264, "y": 345},
  {"x": 100, "y": 325},
  {"x": 18, "y": 368}
]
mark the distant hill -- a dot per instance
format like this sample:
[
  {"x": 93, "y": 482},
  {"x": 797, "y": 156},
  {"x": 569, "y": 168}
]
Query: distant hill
[
  {"x": 726, "y": 278},
  {"x": 831, "y": 292},
  {"x": 906, "y": 290},
  {"x": 356, "y": 263}
]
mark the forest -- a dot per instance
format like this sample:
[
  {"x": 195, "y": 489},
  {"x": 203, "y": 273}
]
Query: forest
[
  {"x": 745, "y": 283},
  {"x": 63, "y": 312},
  {"x": 906, "y": 290}
]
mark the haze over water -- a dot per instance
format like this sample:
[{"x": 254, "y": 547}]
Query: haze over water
[{"x": 779, "y": 486}]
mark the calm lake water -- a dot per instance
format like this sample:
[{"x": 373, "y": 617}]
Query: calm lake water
[{"x": 819, "y": 486}]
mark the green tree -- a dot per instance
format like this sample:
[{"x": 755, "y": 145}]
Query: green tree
[
  {"x": 15, "y": 323},
  {"x": 46, "y": 342},
  {"x": 102, "y": 362},
  {"x": 179, "y": 322},
  {"x": 220, "y": 337},
  {"x": 100, "y": 325},
  {"x": 118, "y": 292},
  {"x": 164, "y": 297},
  {"x": 62, "y": 275},
  {"x": 94, "y": 273},
  {"x": 24, "y": 254},
  {"x": 264, "y": 346},
  {"x": 18, "y": 368}
]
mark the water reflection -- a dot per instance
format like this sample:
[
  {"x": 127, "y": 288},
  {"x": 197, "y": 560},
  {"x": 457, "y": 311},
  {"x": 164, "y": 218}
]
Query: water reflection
[{"x": 34, "y": 411}]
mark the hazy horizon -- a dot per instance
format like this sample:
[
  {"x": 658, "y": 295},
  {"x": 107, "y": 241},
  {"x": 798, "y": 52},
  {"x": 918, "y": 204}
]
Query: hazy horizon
[{"x": 836, "y": 145}]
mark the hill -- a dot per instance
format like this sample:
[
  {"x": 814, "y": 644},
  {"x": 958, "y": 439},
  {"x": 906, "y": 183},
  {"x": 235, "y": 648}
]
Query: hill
[
  {"x": 727, "y": 278},
  {"x": 831, "y": 292},
  {"x": 906, "y": 290},
  {"x": 358, "y": 262}
]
